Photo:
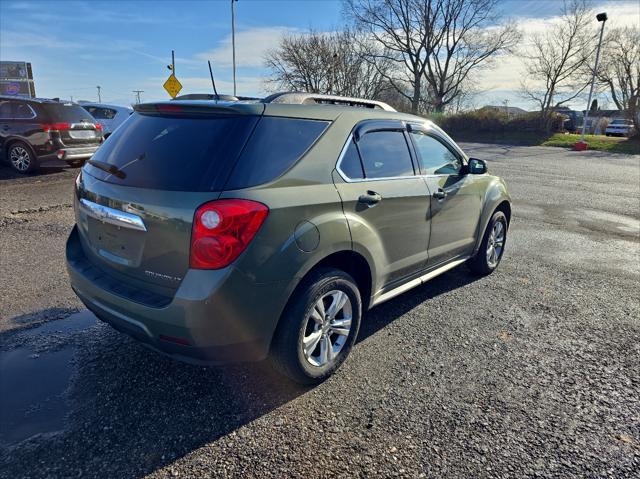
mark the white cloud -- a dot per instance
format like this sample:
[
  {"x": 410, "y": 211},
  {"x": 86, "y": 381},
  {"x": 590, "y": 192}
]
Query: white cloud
[
  {"x": 251, "y": 46},
  {"x": 507, "y": 71}
]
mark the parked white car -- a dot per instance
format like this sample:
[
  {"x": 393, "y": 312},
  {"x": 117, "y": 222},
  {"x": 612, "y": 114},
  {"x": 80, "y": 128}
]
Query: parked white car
[
  {"x": 619, "y": 127},
  {"x": 109, "y": 116}
]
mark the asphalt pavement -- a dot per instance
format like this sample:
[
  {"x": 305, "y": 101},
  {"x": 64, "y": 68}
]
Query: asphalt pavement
[{"x": 533, "y": 371}]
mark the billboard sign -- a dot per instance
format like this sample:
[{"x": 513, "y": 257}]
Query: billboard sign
[{"x": 16, "y": 79}]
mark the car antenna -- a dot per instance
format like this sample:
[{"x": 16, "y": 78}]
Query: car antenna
[{"x": 212, "y": 80}]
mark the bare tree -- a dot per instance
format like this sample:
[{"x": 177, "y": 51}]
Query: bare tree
[
  {"x": 433, "y": 44},
  {"x": 330, "y": 63},
  {"x": 401, "y": 29},
  {"x": 468, "y": 36},
  {"x": 558, "y": 58},
  {"x": 619, "y": 70}
]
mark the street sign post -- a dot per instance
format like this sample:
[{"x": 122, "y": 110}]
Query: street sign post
[{"x": 172, "y": 85}]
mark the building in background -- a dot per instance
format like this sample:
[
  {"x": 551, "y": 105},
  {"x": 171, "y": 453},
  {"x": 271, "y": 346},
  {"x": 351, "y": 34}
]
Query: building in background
[{"x": 16, "y": 79}]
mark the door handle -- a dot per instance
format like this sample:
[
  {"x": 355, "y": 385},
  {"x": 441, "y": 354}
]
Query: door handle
[
  {"x": 371, "y": 198},
  {"x": 440, "y": 194}
]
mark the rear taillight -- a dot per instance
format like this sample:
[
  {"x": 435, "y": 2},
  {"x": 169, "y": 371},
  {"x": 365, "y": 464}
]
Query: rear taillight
[
  {"x": 47, "y": 127},
  {"x": 98, "y": 126},
  {"x": 222, "y": 230}
]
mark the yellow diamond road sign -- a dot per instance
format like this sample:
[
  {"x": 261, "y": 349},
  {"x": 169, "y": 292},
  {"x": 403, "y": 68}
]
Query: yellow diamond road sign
[{"x": 172, "y": 85}]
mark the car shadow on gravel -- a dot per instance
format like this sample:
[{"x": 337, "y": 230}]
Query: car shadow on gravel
[
  {"x": 131, "y": 411},
  {"x": 386, "y": 313}
]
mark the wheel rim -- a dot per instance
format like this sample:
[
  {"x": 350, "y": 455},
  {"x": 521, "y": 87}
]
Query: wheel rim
[
  {"x": 327, "y": 328},
  {"x": 495, "y": 245},
  {"x": 20, "y": 158}
]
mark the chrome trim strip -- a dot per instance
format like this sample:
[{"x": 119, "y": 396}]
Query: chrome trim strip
[
  {"x": 362, "y": 180},
  {"x": 112, "y": 216},
  {"x": 417, "y": 282}
]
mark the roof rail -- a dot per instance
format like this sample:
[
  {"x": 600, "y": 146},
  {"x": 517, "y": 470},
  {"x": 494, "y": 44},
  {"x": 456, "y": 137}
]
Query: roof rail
[{"x": 301, "y": 98}]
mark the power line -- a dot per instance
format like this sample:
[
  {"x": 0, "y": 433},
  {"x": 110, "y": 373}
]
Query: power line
[{"x": 137, "y": 92}]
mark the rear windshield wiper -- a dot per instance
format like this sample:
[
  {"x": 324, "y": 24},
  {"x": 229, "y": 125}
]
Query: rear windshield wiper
[{"x": 113, "y": 169}]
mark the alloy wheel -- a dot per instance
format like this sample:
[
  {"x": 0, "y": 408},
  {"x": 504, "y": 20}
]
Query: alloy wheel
[
  {"x": 20, "y": 158},
  {"x": 327, "y": 328},
  {"x": 495, "y": 245}
]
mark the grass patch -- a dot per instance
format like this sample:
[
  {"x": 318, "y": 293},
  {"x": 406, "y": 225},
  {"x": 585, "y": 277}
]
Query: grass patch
[{"x": 611, "y": 144}]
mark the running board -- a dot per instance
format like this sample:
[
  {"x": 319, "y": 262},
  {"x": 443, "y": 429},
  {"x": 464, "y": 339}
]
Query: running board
[{"x": 416, "y": 282}]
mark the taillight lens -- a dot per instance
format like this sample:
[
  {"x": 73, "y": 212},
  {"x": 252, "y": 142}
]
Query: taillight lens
[
  {"x": 98, "y": 126},
  {"x": 222, "y": 230},
  {"x": 47, "y": 127}
]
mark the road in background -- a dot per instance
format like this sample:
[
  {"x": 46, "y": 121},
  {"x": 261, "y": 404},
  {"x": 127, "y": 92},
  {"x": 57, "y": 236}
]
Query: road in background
[{"x": 533, "y": 370}]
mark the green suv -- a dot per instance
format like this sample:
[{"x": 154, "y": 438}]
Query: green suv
[{"x": 222, "y": 231}]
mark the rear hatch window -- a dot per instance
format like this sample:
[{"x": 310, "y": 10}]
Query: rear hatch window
[
  {"x": 179, "y": 153},
  {"x": 66, "y": 113}
]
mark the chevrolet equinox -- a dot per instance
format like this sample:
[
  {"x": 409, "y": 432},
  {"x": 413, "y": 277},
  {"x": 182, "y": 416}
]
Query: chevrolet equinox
[{"x": 217, "y": 231}]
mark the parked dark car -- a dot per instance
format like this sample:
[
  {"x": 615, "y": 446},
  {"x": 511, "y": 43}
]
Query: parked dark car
[
  {"x": 218, "y": 231},
  {"x": 35, "y": 132}
]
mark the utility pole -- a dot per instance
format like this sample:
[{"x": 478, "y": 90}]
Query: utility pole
[
  {"x": 233, "y": 42},
  {"x": 137, "y": 92},
  {"x": 99, "y": 97},
  {"x": 601, "y": 17}
]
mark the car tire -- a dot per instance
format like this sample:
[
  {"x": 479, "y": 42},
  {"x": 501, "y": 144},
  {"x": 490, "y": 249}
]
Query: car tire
[
  {"x": 488, "y": 257},
  {"x": 21, "y": 157},
  {"x": 318, "y": 327}
]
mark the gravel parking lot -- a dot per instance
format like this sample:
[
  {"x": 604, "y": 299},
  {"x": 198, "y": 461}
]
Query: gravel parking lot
[{"x": 531, "y": 372}]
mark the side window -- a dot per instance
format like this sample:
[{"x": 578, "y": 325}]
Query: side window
[
  {"x": 385, "y": 154},
  {"x": 277, "y": 143},
  {"x": 351, "y": 165},
  {"x": 23, "y": 111},
  {"x": 102, "y": 113},
  {"x": 435, "y": 157},
  {"x": 92, "y": 110},
  {"x": 6, "y": 110}
]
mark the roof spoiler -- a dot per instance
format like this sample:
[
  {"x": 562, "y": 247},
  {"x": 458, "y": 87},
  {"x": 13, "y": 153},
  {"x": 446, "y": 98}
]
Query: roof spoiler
[
  {"x": 195, "y": 107},
  {"x": 301, "y": 98}
]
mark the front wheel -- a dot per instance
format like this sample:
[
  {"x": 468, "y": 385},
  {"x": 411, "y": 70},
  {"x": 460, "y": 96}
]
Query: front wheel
[
  {"x": 318, "y": 328},
  {"x": 488, "y": 257}
]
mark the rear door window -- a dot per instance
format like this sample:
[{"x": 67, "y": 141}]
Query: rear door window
[
  {"x": 351, "y": 165},
  {"x": 180, "y": 153},
  {"x": 275, "y": 146},
  {"x": 23, "y": 111},
  {"x": 385, "y": 154}
]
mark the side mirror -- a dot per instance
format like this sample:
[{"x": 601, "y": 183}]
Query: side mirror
[{"x": 477, "y": 167}]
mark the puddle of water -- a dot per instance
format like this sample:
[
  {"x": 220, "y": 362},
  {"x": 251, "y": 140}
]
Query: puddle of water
[
  {"x": 31, "y": 393},
  {"x": 32, "y": 386},
  {"x": 71, "y": 324}
]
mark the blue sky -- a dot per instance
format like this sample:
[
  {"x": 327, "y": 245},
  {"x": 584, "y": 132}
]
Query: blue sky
[{"x": 125, "y": 45}]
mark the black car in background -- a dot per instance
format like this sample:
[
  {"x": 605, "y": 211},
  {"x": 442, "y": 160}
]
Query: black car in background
[{"x": 35, "y": 132}]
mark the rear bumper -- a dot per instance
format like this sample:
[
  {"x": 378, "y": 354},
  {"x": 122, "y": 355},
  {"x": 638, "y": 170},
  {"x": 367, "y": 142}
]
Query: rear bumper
[
  {"x": 222, "y": 315},
  {"x": 69, "y": 154}
]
